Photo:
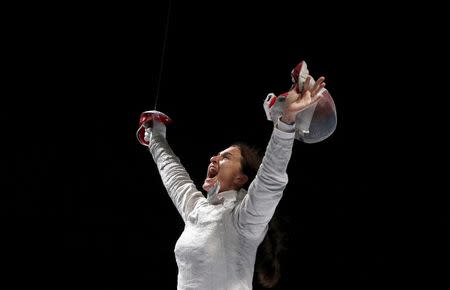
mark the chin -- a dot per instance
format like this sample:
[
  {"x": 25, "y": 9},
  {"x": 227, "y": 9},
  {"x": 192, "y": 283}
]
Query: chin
[{"x": 208, "y": 184}]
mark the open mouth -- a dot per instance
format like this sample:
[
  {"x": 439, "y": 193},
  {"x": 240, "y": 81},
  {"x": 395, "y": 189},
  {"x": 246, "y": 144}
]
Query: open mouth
[{"x": 212, "y": 172}]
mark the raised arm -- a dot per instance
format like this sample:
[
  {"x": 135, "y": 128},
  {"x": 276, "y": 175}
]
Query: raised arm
[
  {"x": 177, "y": 181},
  {"x": 266, "y": 190}
]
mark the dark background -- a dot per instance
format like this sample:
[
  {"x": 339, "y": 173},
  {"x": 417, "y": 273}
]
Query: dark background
[{"x": 83, "y": 205}]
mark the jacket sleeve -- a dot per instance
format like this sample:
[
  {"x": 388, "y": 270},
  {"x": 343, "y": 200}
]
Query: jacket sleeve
[
  {"x": 175, "y": 178},
  {"x": 264, "y": 193}
]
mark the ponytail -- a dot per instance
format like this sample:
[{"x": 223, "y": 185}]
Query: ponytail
[{"x": 267, "y": 265}]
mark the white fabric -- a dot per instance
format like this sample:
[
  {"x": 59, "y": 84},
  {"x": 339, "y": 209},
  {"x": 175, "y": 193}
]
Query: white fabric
[
  {"x": 217, "y": 248},
  {"x": 289, "y": 128},
  {"x": 157, "y": 128}
]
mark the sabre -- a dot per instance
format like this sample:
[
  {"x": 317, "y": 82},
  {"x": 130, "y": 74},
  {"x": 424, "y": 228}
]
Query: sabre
[{"x": 146, "y": 118}]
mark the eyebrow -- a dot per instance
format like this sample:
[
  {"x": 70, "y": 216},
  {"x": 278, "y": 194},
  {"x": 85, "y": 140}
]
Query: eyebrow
[{"x": 226, "y": 154}]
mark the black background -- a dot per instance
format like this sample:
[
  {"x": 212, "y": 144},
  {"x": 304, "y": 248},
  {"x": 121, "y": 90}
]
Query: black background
[{"x": 84, "y": 205}]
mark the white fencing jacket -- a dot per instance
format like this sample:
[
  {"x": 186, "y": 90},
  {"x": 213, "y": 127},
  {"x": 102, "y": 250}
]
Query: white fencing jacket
[{"x": 217, "y": 248}]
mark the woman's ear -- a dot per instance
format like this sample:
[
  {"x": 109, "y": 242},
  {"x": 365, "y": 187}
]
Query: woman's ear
[{"x": 241, "y": 179}]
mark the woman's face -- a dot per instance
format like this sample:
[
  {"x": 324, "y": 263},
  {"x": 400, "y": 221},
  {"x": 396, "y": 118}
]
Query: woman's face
[{"x": 225, "y": 167}]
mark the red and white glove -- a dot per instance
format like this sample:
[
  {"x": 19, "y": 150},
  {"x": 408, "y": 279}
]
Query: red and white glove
[
  {"x": 157, "y": 128},
  {"x": 273, "y": 104},
  {"x": 151, "y": 122}
]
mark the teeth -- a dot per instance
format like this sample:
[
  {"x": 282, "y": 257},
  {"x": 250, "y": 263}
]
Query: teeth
[{"x": 212, "y": 172}]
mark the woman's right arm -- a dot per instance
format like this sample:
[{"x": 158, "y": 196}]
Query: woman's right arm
[{"x": 175, "y": 178}]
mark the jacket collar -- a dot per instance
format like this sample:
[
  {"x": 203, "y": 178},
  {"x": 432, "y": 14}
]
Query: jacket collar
[{"x": 226, "y": 197}]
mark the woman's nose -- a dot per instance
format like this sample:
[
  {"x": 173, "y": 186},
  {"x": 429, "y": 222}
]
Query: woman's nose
[{"x": 214, "y": 158}]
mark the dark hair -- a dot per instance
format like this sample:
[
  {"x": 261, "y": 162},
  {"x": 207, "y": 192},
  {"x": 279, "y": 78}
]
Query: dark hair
[
  {"x": 250, "y": 162},
  {"x": 267, "y": 264}
]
